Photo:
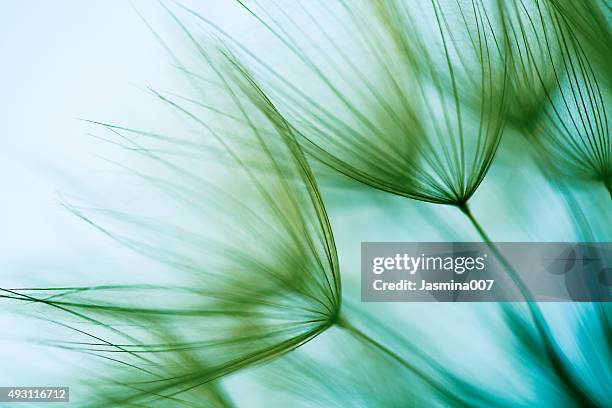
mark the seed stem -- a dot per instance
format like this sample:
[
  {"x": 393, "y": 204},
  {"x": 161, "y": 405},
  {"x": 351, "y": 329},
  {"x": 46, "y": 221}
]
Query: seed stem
[
  {"x": 506, "y": 264},
  {"x": 553, "y": 353},
  {"x": 427, "y": 378}
]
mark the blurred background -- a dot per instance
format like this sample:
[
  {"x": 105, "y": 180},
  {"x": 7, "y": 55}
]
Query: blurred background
[{"x": 68, "y": 60}]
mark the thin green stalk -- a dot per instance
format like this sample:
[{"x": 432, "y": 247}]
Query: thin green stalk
[
  {"x": 506, "y": 264},
  {"x": 346, "y": 325},
  {"x": 553, "y": 353}
]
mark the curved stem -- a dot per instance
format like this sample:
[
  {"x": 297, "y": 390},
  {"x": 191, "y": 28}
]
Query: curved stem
[
  {"x": 553, "y": 353},
  {"x": 427, "y": 378},
  {"x": 525, "y": 292}
]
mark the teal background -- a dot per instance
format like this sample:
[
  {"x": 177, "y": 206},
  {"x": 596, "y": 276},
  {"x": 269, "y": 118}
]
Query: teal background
[{"x": 65, "y": 60}]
